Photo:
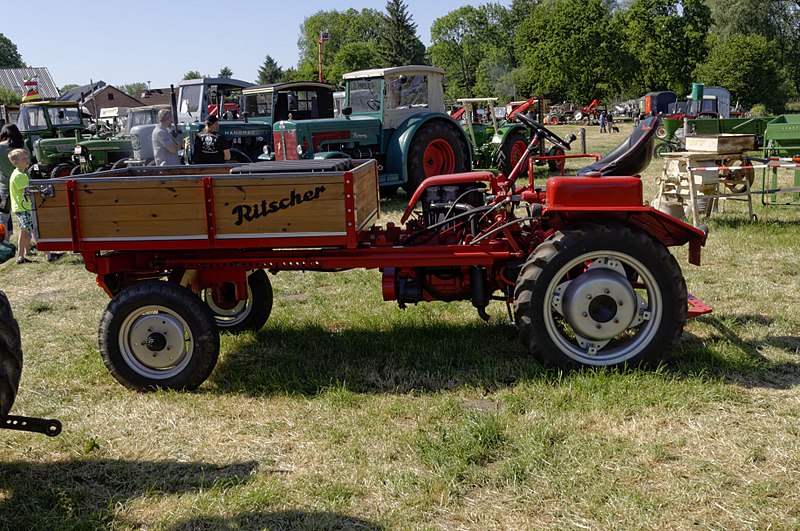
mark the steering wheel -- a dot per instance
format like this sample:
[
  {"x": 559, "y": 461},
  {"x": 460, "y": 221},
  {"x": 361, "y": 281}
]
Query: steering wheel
[
  {"x": 374, "y": 104},
  {"x": 548, "y": 134}
]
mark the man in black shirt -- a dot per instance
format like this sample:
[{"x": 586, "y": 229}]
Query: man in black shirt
[{"x": 211, "y": 147}]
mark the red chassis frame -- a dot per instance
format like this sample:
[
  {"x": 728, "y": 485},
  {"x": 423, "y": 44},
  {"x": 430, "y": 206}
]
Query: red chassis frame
[{"x": 565, "y": 201}]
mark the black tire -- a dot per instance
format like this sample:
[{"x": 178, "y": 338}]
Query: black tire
[
  {"x": 10, "y": 356},
  {"x": 434, "y": 138},
  {"x": 240, "y": 156},
  {"x": 554, "y": 165},
  {"x": 511, "y": 150},
  {"x": 136, "y": 343},
  {"x": 251, "y": 314},
  {"x": 662, "y": 148},
  {"x": 567, "y": 319},
  {"x": 77, "y": 170},
  {"x": 121, "y": 163},
  {"x": 61, "y": 170}
]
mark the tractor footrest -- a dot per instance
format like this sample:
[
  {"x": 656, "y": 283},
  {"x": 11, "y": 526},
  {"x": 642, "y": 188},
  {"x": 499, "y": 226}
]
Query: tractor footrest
[
  {"x": 50, "y": 427},
  {"x": 697, "y": 307}
]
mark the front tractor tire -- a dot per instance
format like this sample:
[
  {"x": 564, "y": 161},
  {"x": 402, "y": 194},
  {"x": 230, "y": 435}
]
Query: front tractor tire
[
  {"x": 600, "y": 296},
  {"x": 438, "y": 148},
  {"x": 10, "y": 356},
  {"x": 62, "y": 170},
  {"x": 236, "y": 316},
  {"x": 158, "y": 335}
]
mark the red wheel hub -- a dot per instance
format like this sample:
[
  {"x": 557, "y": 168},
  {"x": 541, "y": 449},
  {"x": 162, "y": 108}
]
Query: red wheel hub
[
  {"x": 439, "y": 158},
  {"x": 517, "y": 150}
]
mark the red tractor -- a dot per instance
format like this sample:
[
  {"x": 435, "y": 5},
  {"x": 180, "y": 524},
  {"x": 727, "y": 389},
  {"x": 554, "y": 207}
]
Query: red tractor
[{"x": 183, "y": 251}]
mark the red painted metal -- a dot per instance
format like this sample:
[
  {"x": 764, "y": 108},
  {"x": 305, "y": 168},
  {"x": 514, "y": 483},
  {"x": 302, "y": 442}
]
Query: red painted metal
[
  {"x": 208, "y": 196},
  {"x": 593, "y": 192},
  {"x": 446, "y": 180},
  {"x": 697, "y": 307},
  {"x": 326, "y": 136},
  {"x": 74, "y": 215}
]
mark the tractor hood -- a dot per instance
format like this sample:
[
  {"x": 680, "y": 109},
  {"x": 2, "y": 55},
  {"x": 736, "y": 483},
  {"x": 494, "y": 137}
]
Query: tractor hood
[{"x": 325, "y": 135}]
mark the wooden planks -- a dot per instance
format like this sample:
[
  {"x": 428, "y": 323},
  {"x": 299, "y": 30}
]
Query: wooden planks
[{"x": 247, "y": 206}]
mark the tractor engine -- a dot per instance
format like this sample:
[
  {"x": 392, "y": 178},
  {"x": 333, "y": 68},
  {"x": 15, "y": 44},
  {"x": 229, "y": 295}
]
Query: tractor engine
[{"x": 450, "y": 213}]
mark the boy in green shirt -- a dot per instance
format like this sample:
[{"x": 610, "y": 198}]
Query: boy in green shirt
[{"x": 20, "y": 205}]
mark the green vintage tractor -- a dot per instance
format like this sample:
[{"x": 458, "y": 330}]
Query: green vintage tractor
[
  {"x": 496, "y": 143},
  {"x": 51, "y": 130},
  {"x": 394, "y": 115},
  {"x": 106, "y": 148}
]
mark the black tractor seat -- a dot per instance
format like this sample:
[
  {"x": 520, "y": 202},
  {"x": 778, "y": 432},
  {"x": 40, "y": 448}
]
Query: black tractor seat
[{"x": 629, "y": 158}]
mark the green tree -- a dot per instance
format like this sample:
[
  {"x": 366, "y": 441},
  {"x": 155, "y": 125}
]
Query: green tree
[
  {"x": 344, "y": 28},
  {"x": 225, "y": 72},
  {"x": 9, "y": 97},
  {"x": 459, "y": 41},
  {"x": 134, "y": 89},
  {"x": 569, "y": 49},
  {"x": 747, "y": 65},
  {"x": 269, "y": 72},
  {"x": 9, "y": 56},
  {"x": 67, "y": 88},
  {"x": 192, "y": 74},
  {"x": 398, "y": 44},
  {"x": 666, "y": 40}
]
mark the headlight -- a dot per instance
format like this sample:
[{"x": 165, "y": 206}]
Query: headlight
[{"x": 301, "y": 150}]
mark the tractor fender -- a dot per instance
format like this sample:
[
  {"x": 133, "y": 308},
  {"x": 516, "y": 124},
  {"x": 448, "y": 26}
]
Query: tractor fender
[
  {"x": 331, "y": 155},
  {"x": 400, "y": 141},
  {"x": 502, "y": 132}
]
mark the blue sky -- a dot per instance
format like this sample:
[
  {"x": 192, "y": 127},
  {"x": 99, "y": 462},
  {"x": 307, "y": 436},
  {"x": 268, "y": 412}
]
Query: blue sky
[{"x": 159, "y": 41}]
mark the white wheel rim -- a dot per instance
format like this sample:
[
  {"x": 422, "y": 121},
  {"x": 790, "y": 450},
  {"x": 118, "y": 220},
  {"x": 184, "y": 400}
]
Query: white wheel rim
[
  {"x": 156, "y": 342},
  {"x": 630, "y": 339},
  {"x": 228, "y": 317}
]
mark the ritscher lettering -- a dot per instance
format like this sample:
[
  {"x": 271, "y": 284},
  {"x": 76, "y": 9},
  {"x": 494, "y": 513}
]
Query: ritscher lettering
[{"x": 251, "y": 212}]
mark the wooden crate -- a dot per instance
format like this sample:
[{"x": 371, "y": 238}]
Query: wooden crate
[
  {"x": 722, "y": 143},
  {"x": 200, "y": 208}
]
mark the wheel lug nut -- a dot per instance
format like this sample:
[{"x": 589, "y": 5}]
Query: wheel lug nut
[{"x": 589, "y": 296}]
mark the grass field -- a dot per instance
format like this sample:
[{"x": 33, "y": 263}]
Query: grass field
[{"x": 346, "y": 412}]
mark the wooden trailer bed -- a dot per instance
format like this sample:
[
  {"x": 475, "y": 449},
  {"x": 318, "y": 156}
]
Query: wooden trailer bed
[{"x": 293, "y": 204}]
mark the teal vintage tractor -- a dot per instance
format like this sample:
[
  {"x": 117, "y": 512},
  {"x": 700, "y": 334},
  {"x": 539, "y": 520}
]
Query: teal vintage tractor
[
  {"x": 394, "y": 115},
  {"x": 51, "y": 130},
  {"x": 297, "y": 100}
]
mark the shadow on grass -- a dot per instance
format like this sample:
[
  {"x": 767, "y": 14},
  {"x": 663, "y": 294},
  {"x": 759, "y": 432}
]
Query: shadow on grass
[
  {"x": 82, "y": 494},
  {"x": 743, "y": 362},
  {"x": 428, "y": 358},
  {"x": 311, "y": 521},
  {"x": 440, "y": 356}
]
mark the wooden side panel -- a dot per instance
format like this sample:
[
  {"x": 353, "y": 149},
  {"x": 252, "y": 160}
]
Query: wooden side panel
[
  {"x": 267, "y": 206},
  {"x": 125, "y": 209},
  {"x": 366, "y": 192}
]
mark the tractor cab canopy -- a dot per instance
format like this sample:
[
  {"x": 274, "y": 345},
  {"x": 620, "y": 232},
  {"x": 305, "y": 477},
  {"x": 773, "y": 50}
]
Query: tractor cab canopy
[
  {"x": 197, "y": 98},
  {"x": 303, "y": 100},
  {"x": 147, "y": 115},
  {"x": 46, "y": 115},
  {"x": 395, "y": 94}
]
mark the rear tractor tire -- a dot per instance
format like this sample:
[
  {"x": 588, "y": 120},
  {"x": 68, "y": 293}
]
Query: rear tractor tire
[
  {"x": 10, "y": 356},
  {"x": 512, "y": 149},
  {"x": 600, "y": 296},
  {"x": 236, "y": 316},
  {"x": 437, "y": 149},
  {"x": 158, "y": 335}
]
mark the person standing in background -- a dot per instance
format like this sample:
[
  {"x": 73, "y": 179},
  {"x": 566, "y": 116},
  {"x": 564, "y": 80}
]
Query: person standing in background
[
  {"x": 165, "y": 147},
  {"x": 10, "y": 139}
]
